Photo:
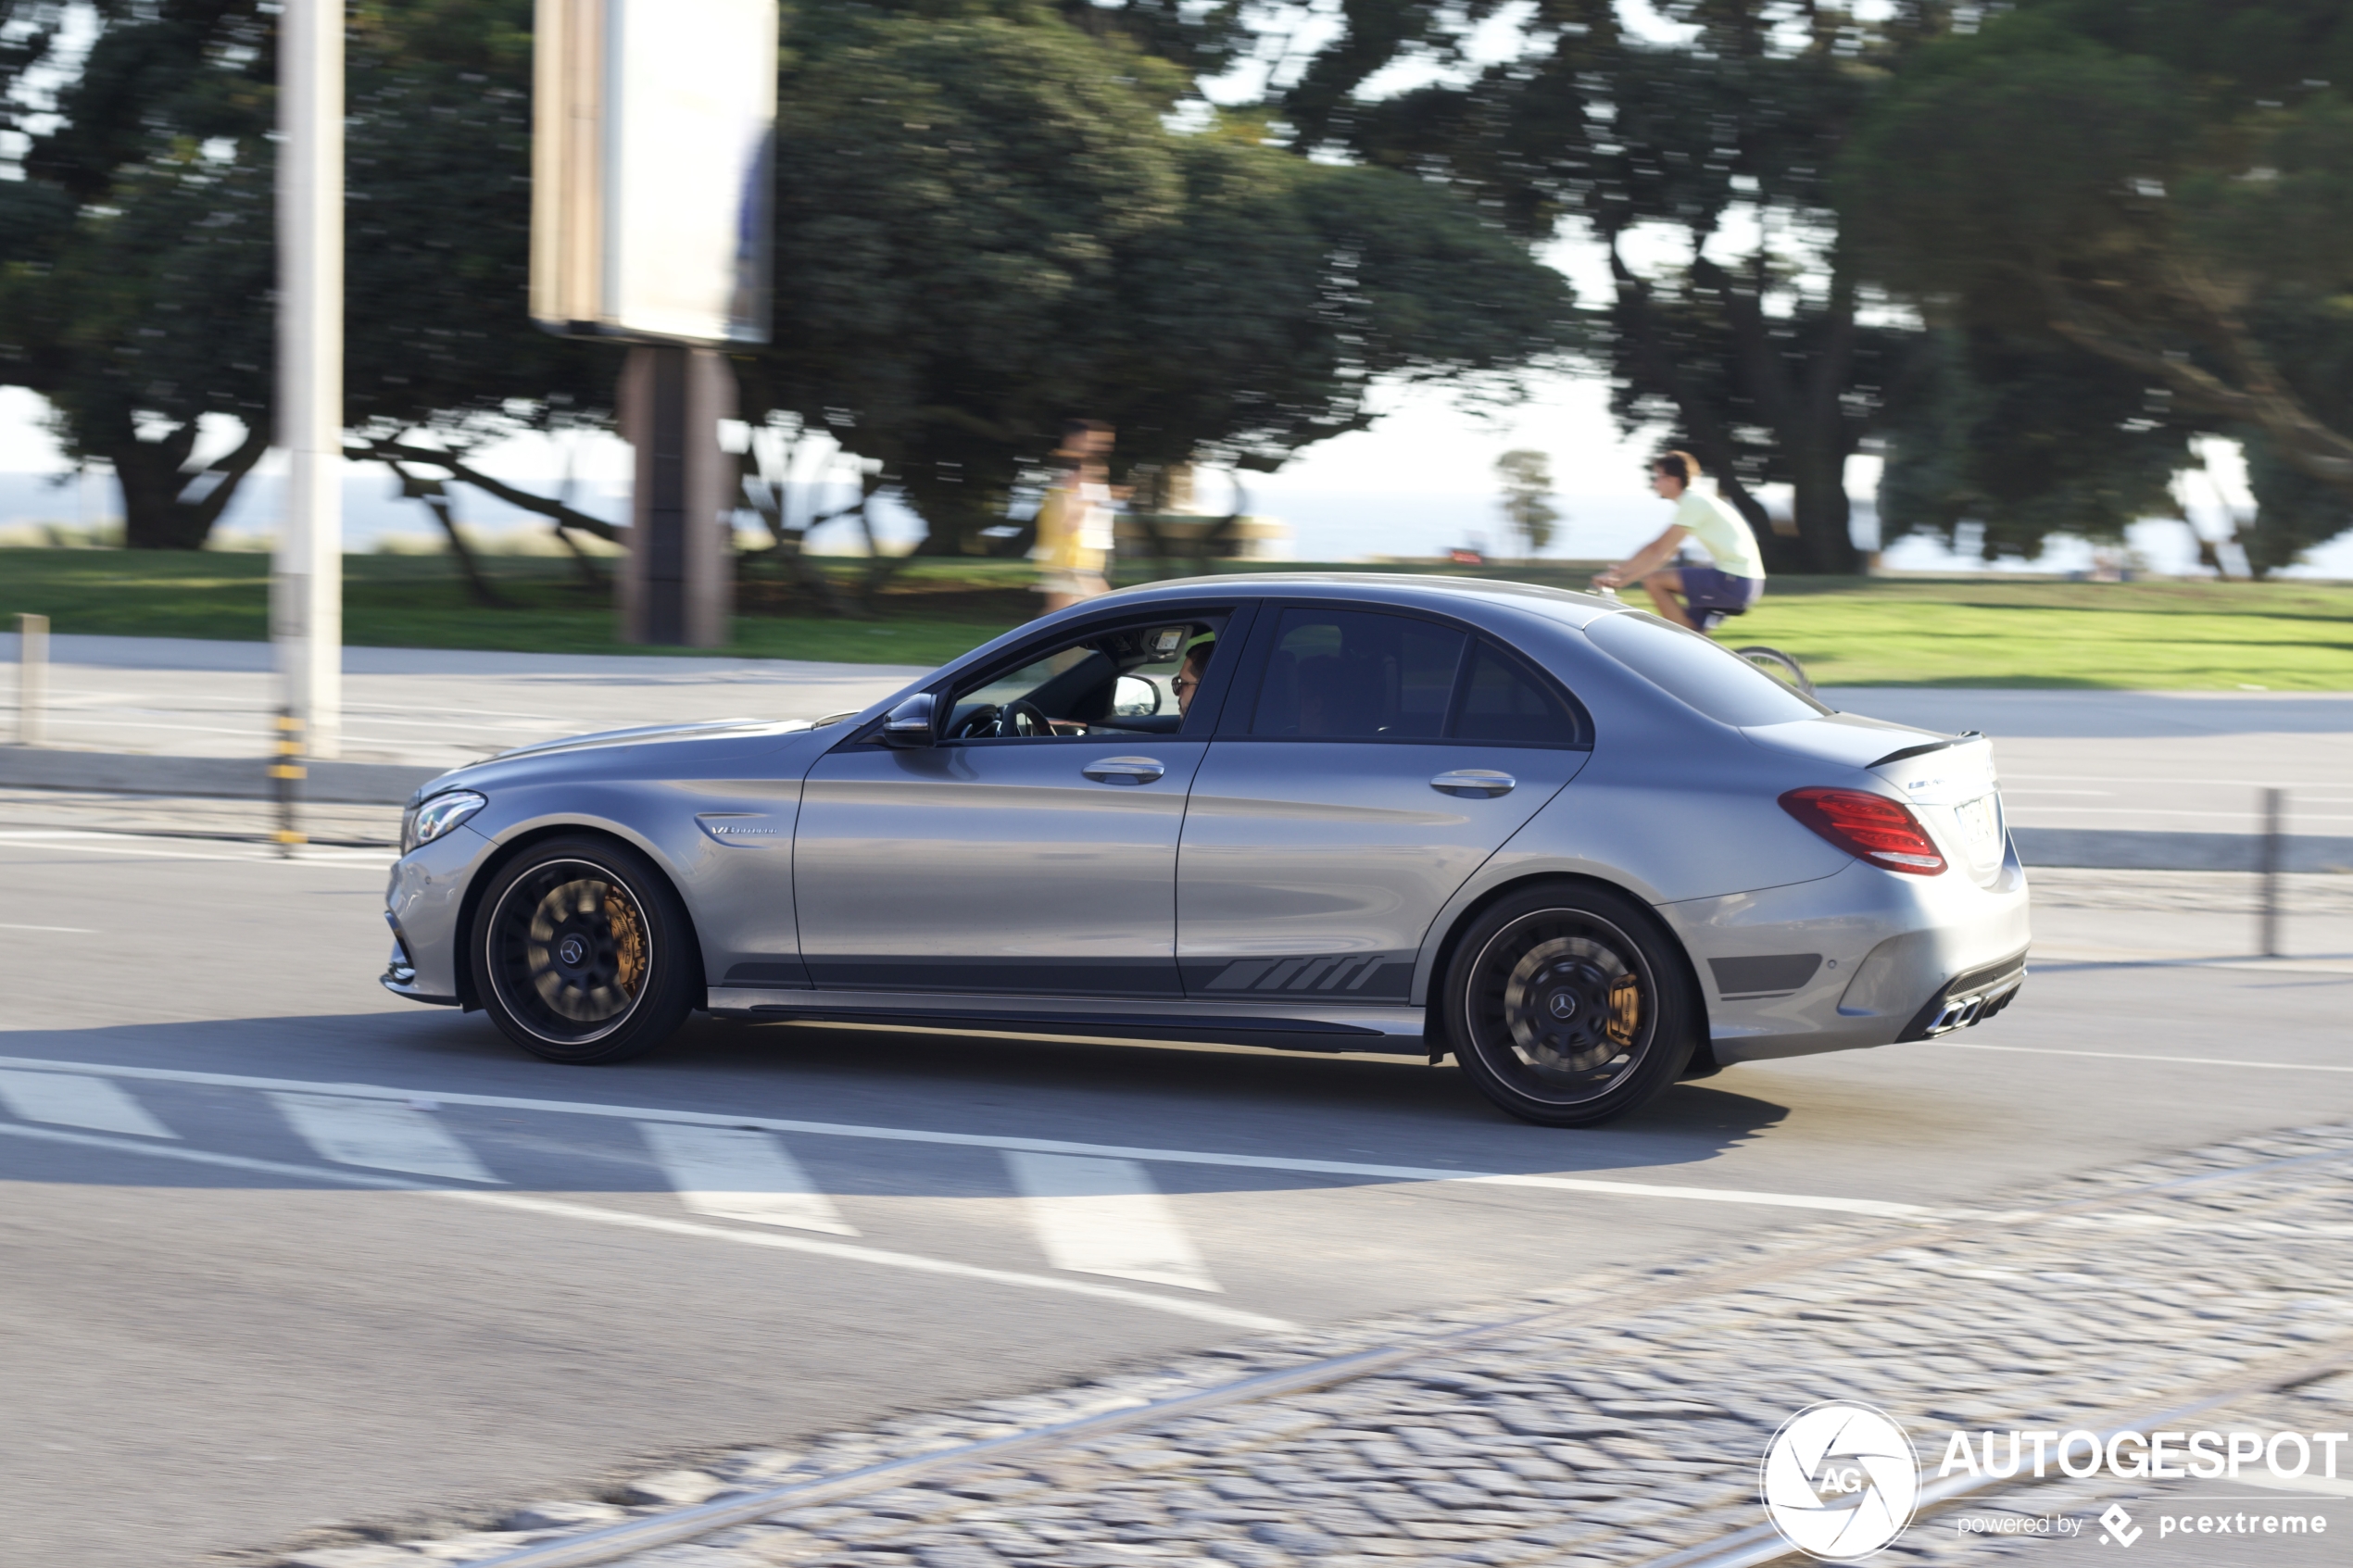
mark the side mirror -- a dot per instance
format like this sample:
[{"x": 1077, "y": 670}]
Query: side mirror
[
  {"x": 909, "y": 724},
  {"x": 1132, "y": 697}
]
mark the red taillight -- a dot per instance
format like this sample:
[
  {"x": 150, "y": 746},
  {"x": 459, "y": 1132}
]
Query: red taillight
[{"x": 1870, "y": 827}]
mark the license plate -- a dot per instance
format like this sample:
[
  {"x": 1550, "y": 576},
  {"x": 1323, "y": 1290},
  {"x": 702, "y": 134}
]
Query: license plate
[{"x": 1976, "y": 821}]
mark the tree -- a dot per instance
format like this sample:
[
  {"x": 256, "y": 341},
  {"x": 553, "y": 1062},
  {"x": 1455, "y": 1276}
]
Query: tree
[
  {"x": 985, "y": 228},
  {"x": 2155, "y": 198},
  {"x": 986, "y": 225},
  {"x": 1528, "y": 488},
  {"x": 1757, "y": 348},
  {"x": 137, "y": 254}
]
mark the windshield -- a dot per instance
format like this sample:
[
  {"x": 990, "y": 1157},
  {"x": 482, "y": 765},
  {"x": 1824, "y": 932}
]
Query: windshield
[{"x": 1708, "y": 675}]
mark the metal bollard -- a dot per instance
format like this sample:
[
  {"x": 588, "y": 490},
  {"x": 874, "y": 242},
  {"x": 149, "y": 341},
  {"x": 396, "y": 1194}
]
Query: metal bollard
[
  {"x": 2273, "y": 853},
  {"x": 286, "y": 774},
  {"x": 32, "y": 678}
]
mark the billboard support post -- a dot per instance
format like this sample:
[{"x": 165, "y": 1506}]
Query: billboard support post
[
  {"x": 306, "y": 585},
  {"x": 676, "y": 588}
]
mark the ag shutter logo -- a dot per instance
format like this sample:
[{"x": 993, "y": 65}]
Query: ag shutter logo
[{"x": 1840, "y": 1481}]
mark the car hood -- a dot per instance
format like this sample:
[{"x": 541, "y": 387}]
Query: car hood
[{"x": 702, "y": 742}]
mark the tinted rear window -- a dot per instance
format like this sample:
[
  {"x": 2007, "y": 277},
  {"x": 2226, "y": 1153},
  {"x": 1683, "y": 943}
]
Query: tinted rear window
[
  {"x": 1339, "y": 675},
  {"x": 1706, "y": 674},
  {"x": 1503, "y": 702}
]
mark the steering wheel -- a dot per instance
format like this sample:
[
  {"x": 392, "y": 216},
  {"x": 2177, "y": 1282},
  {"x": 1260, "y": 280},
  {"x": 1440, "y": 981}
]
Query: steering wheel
[
  {"x": 981, "y": 721},
  {"x": 1024, "y": 717}
]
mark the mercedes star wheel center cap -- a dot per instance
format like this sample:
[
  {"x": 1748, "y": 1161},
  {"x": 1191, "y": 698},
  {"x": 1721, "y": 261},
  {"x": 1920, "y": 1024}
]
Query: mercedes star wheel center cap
[
  {"x": 572, "y": 949},
  {"x": 1563, "y": 1005}
]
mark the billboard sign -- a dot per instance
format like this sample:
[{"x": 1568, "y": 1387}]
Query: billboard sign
[{"x": 652, "y": 165}]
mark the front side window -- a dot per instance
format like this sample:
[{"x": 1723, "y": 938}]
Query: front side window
[
  {"x": 1130, "y": 680},
  {"x": 1343, "y": 674}
]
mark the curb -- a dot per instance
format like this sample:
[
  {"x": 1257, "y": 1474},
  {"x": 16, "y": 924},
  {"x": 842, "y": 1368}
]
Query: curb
[{"x": 235, "y": 778}]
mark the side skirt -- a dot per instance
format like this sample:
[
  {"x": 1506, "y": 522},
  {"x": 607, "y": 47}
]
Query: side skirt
[{"x": 1391, "y": 1030}]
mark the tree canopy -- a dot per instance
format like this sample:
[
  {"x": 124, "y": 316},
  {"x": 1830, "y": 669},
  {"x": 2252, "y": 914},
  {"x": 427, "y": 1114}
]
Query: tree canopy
[
  {"x": 987, "y": 223},
  {"x": 2134, "y": 218},
  {"x": 1749, "y": 338}
]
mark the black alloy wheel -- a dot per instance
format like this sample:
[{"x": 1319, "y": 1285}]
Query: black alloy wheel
[
  {"x": 1569, "y": 1005},
  {"x": 582, "y": 953}
]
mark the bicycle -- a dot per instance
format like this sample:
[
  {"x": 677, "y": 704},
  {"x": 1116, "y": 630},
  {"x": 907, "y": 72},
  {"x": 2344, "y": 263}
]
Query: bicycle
[{"x": 1781, "y": 666}]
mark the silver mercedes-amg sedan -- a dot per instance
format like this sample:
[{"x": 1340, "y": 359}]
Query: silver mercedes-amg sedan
[{"x": 1584, "y": 851}]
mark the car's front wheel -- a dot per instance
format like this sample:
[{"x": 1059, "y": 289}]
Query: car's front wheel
[
  {"x": 582, "y": 953},
  {"x": 1569, "y": 1005}
]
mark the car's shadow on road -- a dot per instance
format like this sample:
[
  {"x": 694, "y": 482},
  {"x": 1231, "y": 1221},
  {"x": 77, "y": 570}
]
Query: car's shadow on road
[{"x": 1352, "y": 1109}]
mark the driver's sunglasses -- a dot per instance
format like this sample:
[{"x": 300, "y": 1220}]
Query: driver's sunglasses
[{"x": 1184, "y": 683}]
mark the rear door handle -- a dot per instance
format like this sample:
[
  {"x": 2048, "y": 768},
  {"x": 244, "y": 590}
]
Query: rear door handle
[
  {"x": 1123, "y": 770},
  {"x": 1474, "y": 784}
]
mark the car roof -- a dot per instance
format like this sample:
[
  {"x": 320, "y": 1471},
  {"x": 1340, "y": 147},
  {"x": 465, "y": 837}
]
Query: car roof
[{"x": 1557, "y": 604}]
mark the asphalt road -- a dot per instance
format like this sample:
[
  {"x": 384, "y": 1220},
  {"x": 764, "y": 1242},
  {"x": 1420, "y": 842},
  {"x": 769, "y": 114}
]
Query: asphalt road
[{"x": 277, "y": 1250}]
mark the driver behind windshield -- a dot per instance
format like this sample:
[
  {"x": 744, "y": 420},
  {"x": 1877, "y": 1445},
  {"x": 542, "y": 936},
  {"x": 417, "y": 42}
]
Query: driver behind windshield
[{"x": 1108, "y": 685}]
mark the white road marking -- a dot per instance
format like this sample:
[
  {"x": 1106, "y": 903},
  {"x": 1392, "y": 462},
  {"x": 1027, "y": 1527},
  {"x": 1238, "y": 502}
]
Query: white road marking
[
  {"x": 2136, "y": 1056},
  {"x": 72, "y": 930},
  {"x": 76, "y": 1100},
  {"x": 733, "y": 1175},
  {"x": 1036, "y": 1145},
  {"x": 1183, "y": 1307},
  {"x": 167, "y": 848},
  {"x": 382, "y": 1136},
  {"x": 1105, "y": 1217}
]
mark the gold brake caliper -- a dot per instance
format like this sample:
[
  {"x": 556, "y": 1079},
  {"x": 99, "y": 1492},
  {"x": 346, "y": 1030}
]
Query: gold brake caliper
[
  {"x": 1625, "y": 1010},
  {"x": 628, "y": 940}
]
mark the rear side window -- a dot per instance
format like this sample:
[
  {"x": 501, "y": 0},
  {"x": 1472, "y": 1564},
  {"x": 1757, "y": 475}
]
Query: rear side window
[
  {"x": 1343, "y": 674},
  {"x": 1706, "y": 674},
  {"x": 1503, "y": 702}
]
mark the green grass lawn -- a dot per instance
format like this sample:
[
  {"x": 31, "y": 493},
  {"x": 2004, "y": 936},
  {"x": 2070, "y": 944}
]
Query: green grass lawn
[{"x": 1957, "y": 632}]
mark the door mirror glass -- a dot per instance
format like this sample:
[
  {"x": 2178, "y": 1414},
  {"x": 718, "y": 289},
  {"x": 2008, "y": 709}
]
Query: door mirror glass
[
  {"x": 1135, "y": 698},
  {"x": 909, "y": 724}
]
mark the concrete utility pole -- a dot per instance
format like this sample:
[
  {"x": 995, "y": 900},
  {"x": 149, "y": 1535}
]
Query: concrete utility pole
[{"x": 306, "y": 594}]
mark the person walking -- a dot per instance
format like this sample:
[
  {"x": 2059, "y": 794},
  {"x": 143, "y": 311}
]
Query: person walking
[
  {"x": 1075, "y": 520},
  {"x": 1729, "y": 586}
]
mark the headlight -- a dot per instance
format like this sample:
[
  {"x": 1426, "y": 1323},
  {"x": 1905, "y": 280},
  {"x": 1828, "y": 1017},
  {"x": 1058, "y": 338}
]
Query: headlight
[{"x": 423, "y": 824}]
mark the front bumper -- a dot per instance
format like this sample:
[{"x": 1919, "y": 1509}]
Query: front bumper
[{"x": 424, "y": 905}]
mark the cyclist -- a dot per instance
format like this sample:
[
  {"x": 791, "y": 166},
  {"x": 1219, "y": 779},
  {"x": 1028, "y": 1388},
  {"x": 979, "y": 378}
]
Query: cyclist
[{"x": 1709, "y": 593}]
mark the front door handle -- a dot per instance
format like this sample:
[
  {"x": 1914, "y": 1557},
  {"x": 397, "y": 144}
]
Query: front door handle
[
  {"x": 1123, "y": 770},
  {"x": 1474, "y": 784}
]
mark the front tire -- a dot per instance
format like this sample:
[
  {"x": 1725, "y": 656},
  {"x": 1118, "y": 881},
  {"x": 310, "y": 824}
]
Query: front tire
[
  {"x": 582, "y": 953},
  {"x": 1569, "y": 1005}
]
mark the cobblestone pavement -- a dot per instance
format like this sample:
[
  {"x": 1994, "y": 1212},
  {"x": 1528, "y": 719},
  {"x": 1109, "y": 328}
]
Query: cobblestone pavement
[{"x": 1626, "y": 1422}]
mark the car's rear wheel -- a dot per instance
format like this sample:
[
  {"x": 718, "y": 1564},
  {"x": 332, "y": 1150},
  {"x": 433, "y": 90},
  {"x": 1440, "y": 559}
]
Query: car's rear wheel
[
  {"x": 1569, "y": 1005},
  {"x": 582, "y": 953}
]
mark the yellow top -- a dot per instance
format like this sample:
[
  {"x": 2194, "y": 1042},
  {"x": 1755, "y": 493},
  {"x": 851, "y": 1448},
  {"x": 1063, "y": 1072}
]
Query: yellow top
[{"x": 1074, "y": 528}]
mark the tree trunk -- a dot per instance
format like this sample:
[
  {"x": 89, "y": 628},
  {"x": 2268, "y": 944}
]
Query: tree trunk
[{"x": 155, "y": 480}]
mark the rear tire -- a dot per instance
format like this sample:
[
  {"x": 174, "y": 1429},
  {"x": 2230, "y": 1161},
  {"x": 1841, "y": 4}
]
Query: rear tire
[
  {"x": 1569, "y": 1005},
  {"x": 582, "y": 953}
]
